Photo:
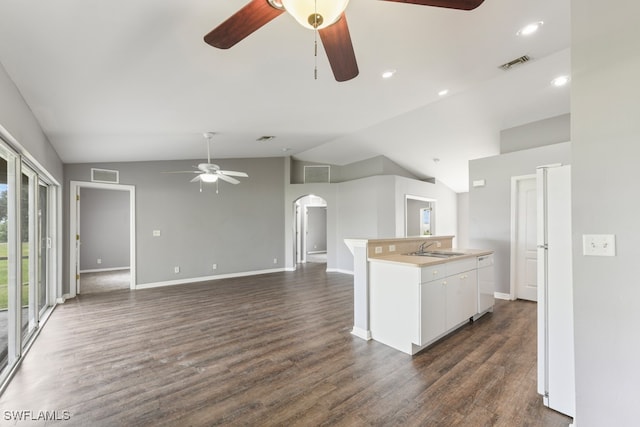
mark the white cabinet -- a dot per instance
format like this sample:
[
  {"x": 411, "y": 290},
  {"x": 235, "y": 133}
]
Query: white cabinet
[
  {"x": 412, "y": 306},
  {"x": 486, "y": 284},
  {"x": 432, "y": 310},
  {"x": 448, "y": 295}
]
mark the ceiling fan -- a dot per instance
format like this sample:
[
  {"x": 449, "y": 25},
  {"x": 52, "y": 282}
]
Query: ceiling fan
[
  {"x": 210, "y": 173},
  {"x": 325, "y": 16}
]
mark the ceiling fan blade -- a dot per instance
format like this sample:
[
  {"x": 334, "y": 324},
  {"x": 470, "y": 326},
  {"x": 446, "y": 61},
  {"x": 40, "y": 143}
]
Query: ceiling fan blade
[
  {"x": 244, "y": 22},
  {"x": 337, "y": 44},
  {"x": 228, "y": 179},
  {"x": 233, "y": 173},
  {"x": 450, "y": 4},
  {"x": 196, "y": 179}
]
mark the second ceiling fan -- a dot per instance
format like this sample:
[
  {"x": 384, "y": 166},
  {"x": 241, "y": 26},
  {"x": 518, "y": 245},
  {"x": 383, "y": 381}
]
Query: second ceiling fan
[{"x": 325, "y": 16}]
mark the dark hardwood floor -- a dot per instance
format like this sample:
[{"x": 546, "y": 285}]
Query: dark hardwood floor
[{"x": 270, "y": 350}]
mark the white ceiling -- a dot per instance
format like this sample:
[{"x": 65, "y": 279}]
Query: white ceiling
[{"x": 126, "y": 80}]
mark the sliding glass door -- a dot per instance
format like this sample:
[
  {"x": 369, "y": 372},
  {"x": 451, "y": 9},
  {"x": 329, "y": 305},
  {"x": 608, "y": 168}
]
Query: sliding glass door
[
  {"x": 4, "y": 263},
  {"x": 25, "y": 243}
]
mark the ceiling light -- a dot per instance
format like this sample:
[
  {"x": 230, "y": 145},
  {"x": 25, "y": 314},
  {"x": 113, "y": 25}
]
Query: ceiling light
[
  {"x": 560, "y": 81},
  {"x": 265, "y": 138},
  {"x": 529, "y": 29},
  {"x": 443, "y": 92},
  {"x": 388, "y": 74},
  {"x": 209, "y": 177},
  {"x": 315, "y": 14}
]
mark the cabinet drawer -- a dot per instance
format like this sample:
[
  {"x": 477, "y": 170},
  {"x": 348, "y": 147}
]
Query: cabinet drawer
[
  {"x": 433, "y": 272},
  {"x": 456, "y": 267},
  {"x": 485, "y": 261}
]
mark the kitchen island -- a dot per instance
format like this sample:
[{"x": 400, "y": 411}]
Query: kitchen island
[{"x": 417, "y": 290}]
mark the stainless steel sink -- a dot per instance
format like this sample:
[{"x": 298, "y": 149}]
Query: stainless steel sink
[{"x": 437, "y": 254}]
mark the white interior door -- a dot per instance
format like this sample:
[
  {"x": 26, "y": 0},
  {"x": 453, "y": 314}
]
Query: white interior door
[{"x": 526, "y": 286}]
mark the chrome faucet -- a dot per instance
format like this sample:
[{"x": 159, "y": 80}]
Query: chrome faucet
[{"x": 423, "y": 247}]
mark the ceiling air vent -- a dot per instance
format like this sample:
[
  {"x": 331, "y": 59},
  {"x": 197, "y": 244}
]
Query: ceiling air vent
[
  {"x": 104, "y": 175},
  {"x": 513, "y": 63}
]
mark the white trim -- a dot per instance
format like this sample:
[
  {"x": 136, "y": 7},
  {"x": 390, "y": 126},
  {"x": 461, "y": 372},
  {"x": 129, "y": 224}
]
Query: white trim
[
  {"x": 100, "y": 270},
  {"x": 514, "y": 232},
  {"x": 74, "y": 187},
  {"x": 339, "y": 270},
  {"x": 361, "y": 333},
  {"x": 501, "y": 295},
  {"x": 207, "y": 278}
]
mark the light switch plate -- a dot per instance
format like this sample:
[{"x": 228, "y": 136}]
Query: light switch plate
[{"x": 599, "y": 244}]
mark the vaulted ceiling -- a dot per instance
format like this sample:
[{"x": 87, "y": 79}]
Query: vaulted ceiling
[{"x": 134, "y": 80}]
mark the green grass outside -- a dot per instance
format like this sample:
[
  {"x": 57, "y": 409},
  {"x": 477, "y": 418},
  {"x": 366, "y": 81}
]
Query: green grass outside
[{"x": 4, "y": 266}]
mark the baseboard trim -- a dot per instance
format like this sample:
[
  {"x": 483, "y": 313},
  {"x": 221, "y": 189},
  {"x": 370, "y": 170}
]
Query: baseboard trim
[
  {"x": 501, "y": 295},
  {"x": 339, "y": 270},
  {"x": 206, "y": 278},
  {"x": 100, "y": 270},
  {"x": 361, "y": 333}
]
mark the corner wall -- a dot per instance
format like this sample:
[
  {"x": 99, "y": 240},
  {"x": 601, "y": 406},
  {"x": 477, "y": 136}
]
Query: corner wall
[
  {"x": 605, "y": 111},
  {"x": 490, "y": 206}
]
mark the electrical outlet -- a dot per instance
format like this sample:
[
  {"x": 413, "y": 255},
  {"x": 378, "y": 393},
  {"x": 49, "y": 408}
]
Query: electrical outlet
[
  {"x": 215, "y": 266},
  {"x": 176, "y": 269},
  {"x": 392, "y": 248},
  {"x": 99, "y": 261},
  {"x": 599, "y": 244},
  {"x": 275, "y": 260},
  {"x": 156, "y": 233},
  {"x": 378, "y": 249}
]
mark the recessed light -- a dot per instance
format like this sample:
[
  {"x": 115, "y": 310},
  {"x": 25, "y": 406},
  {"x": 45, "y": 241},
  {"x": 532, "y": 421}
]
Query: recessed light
[
  {"x": 529, "y": 29},
  {"x": 443, "y": 92},
  {"x": 265, "y": 138},
  {"x": 560, "y": 81},
  {"x": 388, "y": 74}
]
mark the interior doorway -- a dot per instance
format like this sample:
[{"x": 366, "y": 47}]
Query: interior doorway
[
  {"x": 311, "y": 229},
  {"x": 524, "y": 252},
  {"x": 102, "y": 236}
]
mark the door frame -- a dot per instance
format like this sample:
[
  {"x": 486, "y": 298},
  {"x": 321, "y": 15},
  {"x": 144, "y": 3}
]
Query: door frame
[
  {"x": 515, "y": 180},
  {"x": 74, "y": 223}
]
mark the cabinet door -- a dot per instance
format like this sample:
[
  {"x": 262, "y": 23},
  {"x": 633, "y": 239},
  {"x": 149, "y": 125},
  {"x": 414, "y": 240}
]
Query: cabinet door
[
  {"x": 461, "y": 297},
  {"x": 432, "y": 310}
]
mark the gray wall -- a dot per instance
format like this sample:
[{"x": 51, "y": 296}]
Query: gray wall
[
  {"x": 463, "y": 220},
  {"x": 544, "y": 132},
  {"x": 241, "y": 229},
  {"x": 605, "y": 105},
  {"x": 490, "y": 206},
  {"x": 104, "y": 229}
]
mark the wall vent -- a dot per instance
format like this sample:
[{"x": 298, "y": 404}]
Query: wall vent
[
  {"x": 105, "y": 175},
  {"x": 507, "y": 66},
  {"x": 317, "y": 174}
]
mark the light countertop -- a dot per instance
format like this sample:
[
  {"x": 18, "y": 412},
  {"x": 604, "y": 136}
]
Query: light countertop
[{"x": 424, "y": 261}]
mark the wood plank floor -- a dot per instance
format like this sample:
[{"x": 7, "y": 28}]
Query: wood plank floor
[{"x": 270, "y": 350}]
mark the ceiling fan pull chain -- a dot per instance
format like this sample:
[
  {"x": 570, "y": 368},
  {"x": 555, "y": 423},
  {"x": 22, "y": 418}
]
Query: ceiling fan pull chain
[{"x": 315, "y": 40}]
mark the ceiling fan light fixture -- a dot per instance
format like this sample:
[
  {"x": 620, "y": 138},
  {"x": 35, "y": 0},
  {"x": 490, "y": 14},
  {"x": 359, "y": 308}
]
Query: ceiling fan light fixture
[
  {"x": 209, "y": 177},
  {"x": 315, "y": 14}
]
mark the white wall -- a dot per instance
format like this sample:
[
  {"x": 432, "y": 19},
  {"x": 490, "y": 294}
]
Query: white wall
[
  {"x": 367, "y": 208},
  {"x": 605, "y": 110}
]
